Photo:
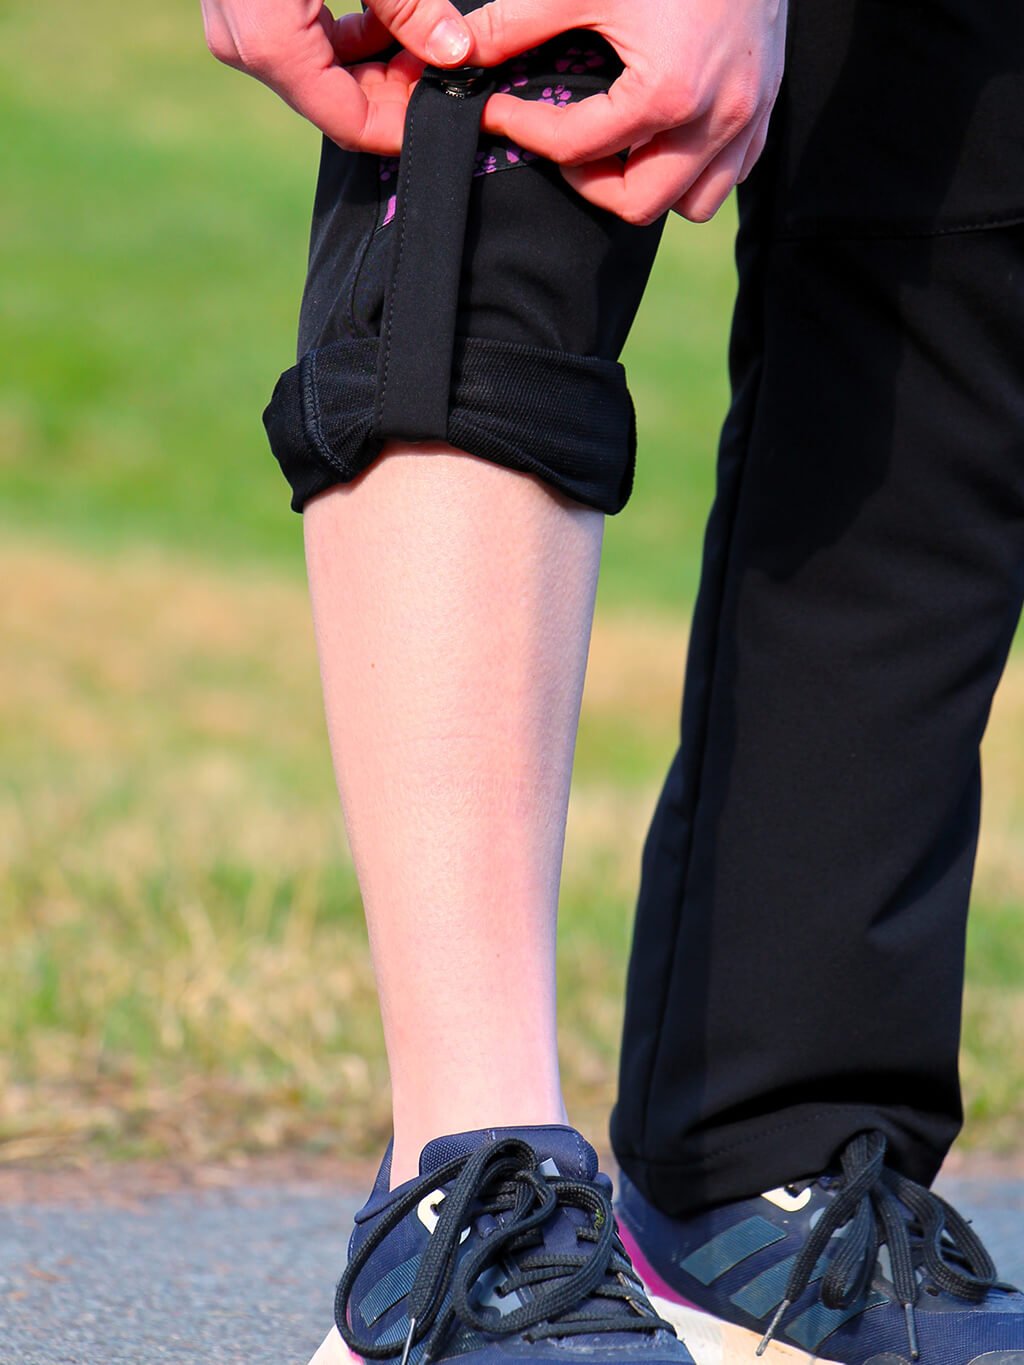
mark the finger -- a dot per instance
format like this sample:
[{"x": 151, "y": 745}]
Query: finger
[
  {"x": 756, "y": 147},
  {"x": 368, "y": 74},
  {"x": 651, "y": 180},
  {"x": 356, "y": 37},
  {"x": 712, "y": 188},
  {"x": 405, "y": 67},
  {"x": 433, "y": 29},
  {"x": 387, "y": 80},
  {"x": 504, "y": 28},
  {"x": 598, "y": 126},
  {"x": 603, "y": 183},
  {"x": 331, "y": 98},
  {"x": 326, "y": 21}
]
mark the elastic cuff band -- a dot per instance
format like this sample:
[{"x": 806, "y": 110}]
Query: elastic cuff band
[{"x": 567, "y": 419}]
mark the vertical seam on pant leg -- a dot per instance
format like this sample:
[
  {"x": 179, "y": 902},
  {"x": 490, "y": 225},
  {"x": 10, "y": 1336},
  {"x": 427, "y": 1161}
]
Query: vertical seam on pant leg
[
  {"x": 386, "y": 333},
  {"x": 687, "y": 858}
]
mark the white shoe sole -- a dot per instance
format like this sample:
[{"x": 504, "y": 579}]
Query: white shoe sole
[
  {"x": 710, "y": 1341},
  {"x": 333, "y": 1351},
  {"x": 713, "y": 1342}
]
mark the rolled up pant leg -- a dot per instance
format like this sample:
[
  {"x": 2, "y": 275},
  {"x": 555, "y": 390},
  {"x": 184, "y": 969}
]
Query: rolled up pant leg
[
  {"x": 798, "y": 960},
  {"x": 547, "y": 289}
]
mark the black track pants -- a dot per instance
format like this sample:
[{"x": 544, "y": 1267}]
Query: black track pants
[{"x": 798, "y": 961}]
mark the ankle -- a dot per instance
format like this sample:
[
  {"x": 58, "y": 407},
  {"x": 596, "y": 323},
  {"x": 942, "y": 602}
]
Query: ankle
[{"x": 413, "y": 1132}]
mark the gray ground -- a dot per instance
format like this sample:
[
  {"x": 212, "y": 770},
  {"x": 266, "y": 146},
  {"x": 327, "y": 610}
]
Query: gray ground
[{"x": 237, "y": 1276}]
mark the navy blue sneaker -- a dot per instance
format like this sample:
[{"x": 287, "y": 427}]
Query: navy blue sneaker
[
  {"x": 860, "y": 1266},
  {"x": 503, "y": 1252}
]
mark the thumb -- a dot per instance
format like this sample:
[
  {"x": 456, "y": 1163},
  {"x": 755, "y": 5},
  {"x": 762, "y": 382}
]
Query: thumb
[{"x": 432, "y": 30}]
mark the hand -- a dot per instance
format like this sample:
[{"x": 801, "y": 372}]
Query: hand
[
  {"x": 298, "y": 49},
  {"x": 692, "y": 105}
]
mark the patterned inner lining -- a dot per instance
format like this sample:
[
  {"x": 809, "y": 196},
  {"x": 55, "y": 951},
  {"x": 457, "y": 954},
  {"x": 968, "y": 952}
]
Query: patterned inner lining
[{"x": 554, "y": 74}]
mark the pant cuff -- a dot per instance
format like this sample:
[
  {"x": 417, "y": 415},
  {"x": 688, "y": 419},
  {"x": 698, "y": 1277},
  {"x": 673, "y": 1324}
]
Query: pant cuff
[
  {"x": 742, "y": 1159},
  {"x": 567, "y": 419}
]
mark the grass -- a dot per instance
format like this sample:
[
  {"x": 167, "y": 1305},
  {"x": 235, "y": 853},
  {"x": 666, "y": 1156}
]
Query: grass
[
  {"x": 183, "y": 966},
  {"x": 154, "y": 240},
  {"x": 172, "y": 868}
]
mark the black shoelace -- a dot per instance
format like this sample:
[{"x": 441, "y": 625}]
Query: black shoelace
[
  {"x": 872, "y": 1204},
  {"x": 504, "y": 1178}
]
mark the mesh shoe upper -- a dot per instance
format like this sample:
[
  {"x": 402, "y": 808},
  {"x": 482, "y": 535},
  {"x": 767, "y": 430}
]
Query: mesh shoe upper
[
  {"x": 852, "y": 1266},
  {"x": 505, "y": 1245}
]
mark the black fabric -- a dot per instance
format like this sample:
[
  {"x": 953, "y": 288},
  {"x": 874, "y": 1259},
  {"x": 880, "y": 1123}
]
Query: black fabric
[
  {"x": 545, "y": 289},
  {"x": 902, "y": 116},
  {"x": 417, "y": 339},
  {"x": 797, "y": 967},
  {"x": 564, "y": 419}
]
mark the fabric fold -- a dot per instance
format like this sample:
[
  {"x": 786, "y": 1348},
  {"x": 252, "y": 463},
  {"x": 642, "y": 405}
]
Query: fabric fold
[{"x": 566, "y": 418}]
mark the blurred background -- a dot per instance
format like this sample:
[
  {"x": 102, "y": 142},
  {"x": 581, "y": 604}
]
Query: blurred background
[{"x": 183, "y": 967}]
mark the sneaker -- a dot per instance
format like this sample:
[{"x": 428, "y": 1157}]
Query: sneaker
[
  {"x": 860, "y": 1266},
  {"x": 503, "y": 1252}
]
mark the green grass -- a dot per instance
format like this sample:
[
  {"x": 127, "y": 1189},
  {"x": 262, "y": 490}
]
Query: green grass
[
  {"x": 154, "y": 258},
  {"x": 154, "y": 239},
  {"x": 183, "y": 966},
  {"x": 172, "y": 872}
]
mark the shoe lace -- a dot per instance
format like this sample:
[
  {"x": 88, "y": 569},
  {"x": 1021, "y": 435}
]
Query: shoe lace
[
  {"x": 504, "y": 1178},
  {"x": 872, "y": 1203}
]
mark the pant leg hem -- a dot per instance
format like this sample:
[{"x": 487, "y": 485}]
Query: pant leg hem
[{"x": 746, "y": 1158}]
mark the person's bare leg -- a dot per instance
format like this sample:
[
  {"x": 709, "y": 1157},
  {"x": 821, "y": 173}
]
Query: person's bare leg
[{"x": 453, "y": 601}]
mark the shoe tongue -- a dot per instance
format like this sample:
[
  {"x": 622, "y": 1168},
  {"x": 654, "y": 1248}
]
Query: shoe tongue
[
  {"x": 557, "y": 1143},
  {"x": 571, "y": 1156}
]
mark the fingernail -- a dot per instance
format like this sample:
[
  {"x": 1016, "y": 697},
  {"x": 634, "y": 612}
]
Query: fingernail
[{"x": 449, "y": 43}]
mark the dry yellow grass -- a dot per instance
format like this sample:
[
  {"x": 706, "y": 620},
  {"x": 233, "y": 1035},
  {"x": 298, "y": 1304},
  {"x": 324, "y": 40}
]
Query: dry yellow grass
[{"x": 182, "y": 962}]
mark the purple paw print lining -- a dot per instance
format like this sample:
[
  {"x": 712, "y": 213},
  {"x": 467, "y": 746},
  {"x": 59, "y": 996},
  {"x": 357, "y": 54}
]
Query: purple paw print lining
[
  {"x": 579, "y": 60},
  {"x": 504, "y": 155},
  {"x": 502, "y": 158},
  {"x": 388, "y": 171},
  {"x": 519, "y": 74},
  {"x": 557, "y": 95}
]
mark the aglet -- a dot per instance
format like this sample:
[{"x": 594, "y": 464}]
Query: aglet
[
  {"x": 780, "y": 1313},
  {"x": 408, "y": 1342},
  {"x": 908, "y": 1312}
]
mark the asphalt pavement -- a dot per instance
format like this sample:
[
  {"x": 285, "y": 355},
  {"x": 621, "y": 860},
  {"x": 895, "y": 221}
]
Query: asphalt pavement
[{"x": 241, "y": 1275}]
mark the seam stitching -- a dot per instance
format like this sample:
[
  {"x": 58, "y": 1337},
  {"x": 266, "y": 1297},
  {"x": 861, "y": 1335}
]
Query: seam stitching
[
  {"x": 898, "y": 234},
  {"x": 403, "y": 180},
  {"x": 312, "y": 395}
]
